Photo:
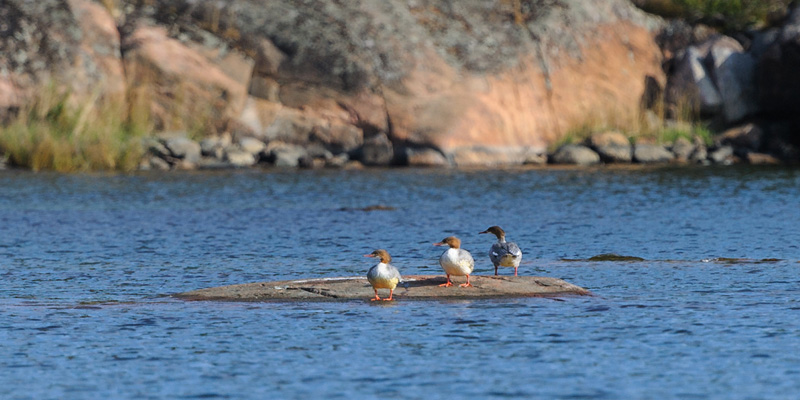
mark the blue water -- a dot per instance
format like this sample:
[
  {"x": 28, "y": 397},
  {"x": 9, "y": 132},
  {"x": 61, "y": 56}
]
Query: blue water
[{"x": 87, "y": 263}]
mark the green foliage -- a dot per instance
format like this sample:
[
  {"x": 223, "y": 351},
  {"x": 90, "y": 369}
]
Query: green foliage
[
  {"x": 671, "y": 134},
  {"x": 727, "y": 15},
  {"x": 54, "y": 134}
]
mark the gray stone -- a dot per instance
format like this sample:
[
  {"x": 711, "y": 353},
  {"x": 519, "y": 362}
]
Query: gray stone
[
  {"x": 615, "y": 153},
  {"x": 239, "y": 158},
  {"x": 252, "y": 145},
  {"x": 183, "y": 148},
  {"x": 214, "y": 146},
  {"x": 722, "y": 155},
  {"x": 700, "y": 152},
  {"x": 338, "y": 161},
  {"x": 682, "y": 149},
  {"x": 608, "y": 138},
  {"x": 286, "y": 155},
  {"x": 575, "y": 154},
  {"x": 651, "y": 153},
  {"x": 377, "y": 150},
  {"x": 612, "y": 146},
  {"x": 692, "y": 85},
  {"x": 734, "y": 76}
]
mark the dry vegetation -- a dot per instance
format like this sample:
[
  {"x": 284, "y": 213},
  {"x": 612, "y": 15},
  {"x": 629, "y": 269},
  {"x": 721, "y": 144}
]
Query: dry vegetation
[{"x": 54, "y": 133}]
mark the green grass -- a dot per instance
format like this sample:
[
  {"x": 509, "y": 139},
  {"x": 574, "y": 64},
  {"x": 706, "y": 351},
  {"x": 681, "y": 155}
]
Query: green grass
[
  {"x": 726, "y": 15},
  {"x": 671, "y": 134},
  {"x": 56, "y": 134}
]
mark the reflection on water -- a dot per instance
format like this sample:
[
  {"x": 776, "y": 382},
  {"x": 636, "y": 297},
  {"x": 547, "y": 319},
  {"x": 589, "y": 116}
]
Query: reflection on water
[{"x": 705, "y": 307}]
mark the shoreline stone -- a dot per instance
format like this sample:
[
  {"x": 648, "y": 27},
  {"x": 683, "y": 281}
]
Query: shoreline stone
[{"x": 416, "y": 287}]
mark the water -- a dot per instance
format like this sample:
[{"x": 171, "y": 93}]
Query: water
[{"x": 712, "y": 312}]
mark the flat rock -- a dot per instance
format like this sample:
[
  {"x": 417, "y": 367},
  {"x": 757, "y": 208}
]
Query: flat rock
[{"x": 415, "y": 287}]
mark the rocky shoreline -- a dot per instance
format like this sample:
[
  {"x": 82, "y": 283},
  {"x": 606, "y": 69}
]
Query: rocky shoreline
[
  {"x": 380, "y": 83},
  {"x": 176, "y": 151}
]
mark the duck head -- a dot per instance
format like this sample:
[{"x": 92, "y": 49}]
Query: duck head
[
  {"x": 497, "y": 231},
  {"x": 451, "y": 241},
  {"x": 382, "y": 254}
]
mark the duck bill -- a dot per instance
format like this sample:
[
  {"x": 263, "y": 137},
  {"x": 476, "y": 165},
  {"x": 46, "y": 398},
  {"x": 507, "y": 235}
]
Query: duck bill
[
  {"x": 439, "y": 244},
  {"x": 483, "y": 232},
  {"x": 369, "y": 255}
]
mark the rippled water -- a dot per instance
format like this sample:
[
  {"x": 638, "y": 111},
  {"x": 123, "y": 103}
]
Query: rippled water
[{"x": 712, "y": 312}]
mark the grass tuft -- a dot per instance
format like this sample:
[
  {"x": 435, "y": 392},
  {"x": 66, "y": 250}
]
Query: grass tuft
[{"x": 56, "y": 134}]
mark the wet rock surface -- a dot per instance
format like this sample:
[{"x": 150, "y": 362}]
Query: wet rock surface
[{"x": 416, "y": 287}]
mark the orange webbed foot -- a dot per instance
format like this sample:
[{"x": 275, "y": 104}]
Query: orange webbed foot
[
  {"x": 448, "y": 284},
  {"x": 466, "y": 285}
]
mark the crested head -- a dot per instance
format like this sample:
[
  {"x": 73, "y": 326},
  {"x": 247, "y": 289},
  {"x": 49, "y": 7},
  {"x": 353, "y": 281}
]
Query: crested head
[
  {"x": 497, "y": 231},
  {"x": 451, "y": 241},
  {"x": 382, "y": 254}
]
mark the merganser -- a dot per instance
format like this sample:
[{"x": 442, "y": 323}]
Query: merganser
[
  {"x": 383, "y": 275},
  {"x": 502, "y": 253},
  {"x": 455, "y": 261}
]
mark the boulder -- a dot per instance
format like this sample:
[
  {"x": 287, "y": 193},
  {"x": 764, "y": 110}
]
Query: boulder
[
  {"x": 734, "y": 76},
  {"x": 214, "y": 146},
  {"x": 646, "y": 153},
  {"x": 722, "y": 155},
  {"x": 691, "y": 85},
  {"x": 338, "y": 161},
  {"x": 285, "y": 155},
  {"x": 252, "y": 146},
  {"x": 377, "y": 150},
  {"x": 239, "y": 158},
  {"x": 612, "y": 146},
  {"x": 575, "y": 154},
  {"x": 183, "y": 148},
  {"x": 700, "y": 152},
  {"x": 682, "y": 148}
]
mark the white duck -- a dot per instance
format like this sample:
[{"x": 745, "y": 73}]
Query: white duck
[
  {"x": 383, "y": 275},
  {"x": 455, "y": 261}
]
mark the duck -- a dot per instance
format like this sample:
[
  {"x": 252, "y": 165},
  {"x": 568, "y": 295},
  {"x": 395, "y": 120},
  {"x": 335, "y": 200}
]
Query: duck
[
  {"x": 502, "y": 253},
  {"x": 455, "y": 260},
  {"x": 383, "y": 275}
]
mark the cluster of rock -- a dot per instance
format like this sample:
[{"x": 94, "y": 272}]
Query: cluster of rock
[
  {"x": 432, "y": 83},
  {"x": 736, "y": 145},
  {"x": 177, "y": 151}
]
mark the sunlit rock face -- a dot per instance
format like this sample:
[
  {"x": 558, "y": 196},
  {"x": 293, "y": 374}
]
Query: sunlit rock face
[{"x": 477, "y": 82}]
